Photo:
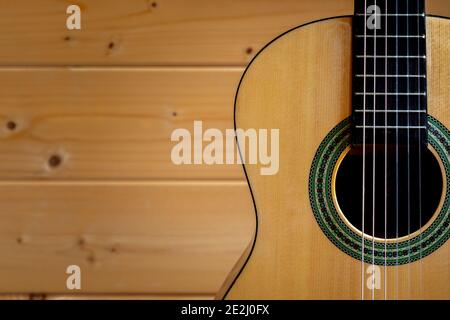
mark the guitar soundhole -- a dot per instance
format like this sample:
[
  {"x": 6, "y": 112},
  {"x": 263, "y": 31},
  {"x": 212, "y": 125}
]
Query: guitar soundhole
[{"x": 407, "y": 191}]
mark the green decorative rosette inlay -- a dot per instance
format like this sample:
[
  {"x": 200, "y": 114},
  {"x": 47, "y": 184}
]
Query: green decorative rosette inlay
[{"x": 350, "y": 242}]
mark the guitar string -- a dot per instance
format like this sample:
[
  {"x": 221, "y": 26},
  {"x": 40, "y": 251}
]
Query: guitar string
[
  {"x": 397, "y": 150},
  {"x": 364, "y": 149},
  {"x": 420, "y": 146},
  {"x": 385, "y": 146},
  {"x": 408, "y": 88},
  {"x": 396, "y": 145},
  {"x": 373, "y": 148}
]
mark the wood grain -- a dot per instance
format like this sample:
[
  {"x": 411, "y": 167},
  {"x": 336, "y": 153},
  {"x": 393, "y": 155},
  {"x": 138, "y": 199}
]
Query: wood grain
[
  {"x": 174, "y": 32},
  {"x": 151, "y": 237},
  {"x": 128, "y": 297},
  {"x": 292, "y": 258},
  {"x": 110, "y": 123},
  {"x": 38, "y": 296}
]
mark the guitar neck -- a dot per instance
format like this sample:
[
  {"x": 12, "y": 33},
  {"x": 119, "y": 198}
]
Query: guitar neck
[{"x": 389, "y": 66}]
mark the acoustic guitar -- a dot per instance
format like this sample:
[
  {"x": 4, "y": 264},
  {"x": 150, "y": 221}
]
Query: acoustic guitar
[{"x": 360, "y": 207}]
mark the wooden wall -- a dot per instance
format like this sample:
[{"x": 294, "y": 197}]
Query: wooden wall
[{"x": 85, "y": 124}]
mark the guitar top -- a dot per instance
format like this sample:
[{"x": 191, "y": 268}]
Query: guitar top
[{"x": 360, "y": 206}]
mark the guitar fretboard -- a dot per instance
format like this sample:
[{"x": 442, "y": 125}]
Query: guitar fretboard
[{"x": 389, "y": 67}]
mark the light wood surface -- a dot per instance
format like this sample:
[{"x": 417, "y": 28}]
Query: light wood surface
[
  {"x": 292, "y": 258},
  {"x": 149, "y": 237},
  {"x": 110, "y": 127},
  {"x": 112, "y": 123},
  {"x": 103, "y": 297},
  {"x": 175, "y": 32},
  {"x": 128, "y": 297},
  {"x": 133, "y": 32}
]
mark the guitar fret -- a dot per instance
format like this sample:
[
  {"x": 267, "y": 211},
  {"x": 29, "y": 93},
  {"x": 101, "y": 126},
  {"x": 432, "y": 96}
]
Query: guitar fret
[
  {"x": 391, "y": 56},
  {"x": 390, "y": 111},
  {"x": 395, "y": 14},
  {"x": 391, "y": 93},
  {"x": 392, "y": 75},
  {"x": 390, "y": 127},
  {"x": 389, "y": 36}
]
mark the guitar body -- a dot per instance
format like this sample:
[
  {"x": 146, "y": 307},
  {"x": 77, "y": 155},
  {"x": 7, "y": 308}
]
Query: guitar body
[{"x": 301, "y": 84}]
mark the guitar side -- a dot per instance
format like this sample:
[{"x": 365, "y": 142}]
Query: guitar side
[{"x": 301, "y": 84}]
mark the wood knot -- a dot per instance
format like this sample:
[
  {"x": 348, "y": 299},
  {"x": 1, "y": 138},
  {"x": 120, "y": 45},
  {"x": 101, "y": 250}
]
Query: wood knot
[
  {"x": 11, "y": 125},
  {"x": 37, "y": 296},
  {"x": 249, "y": 50},
  {"x": 91, "y": 258},
  {"x": 81, "y": 242},
  {"x": 54, "y": 161}
]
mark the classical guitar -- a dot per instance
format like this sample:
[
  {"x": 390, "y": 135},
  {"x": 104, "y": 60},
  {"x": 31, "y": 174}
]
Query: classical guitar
[{"x": 360, "y": 207}]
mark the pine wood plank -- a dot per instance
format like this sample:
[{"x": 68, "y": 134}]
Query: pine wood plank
[
  {"x": 129, "y": 297},
  {"x": 112, "y": 123},
  {"x": 169, "y": 32},
  {"x": 160, "y": 238},
  {"x": 33, "y": 296},
  {"x": 135, "y": 32}
]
